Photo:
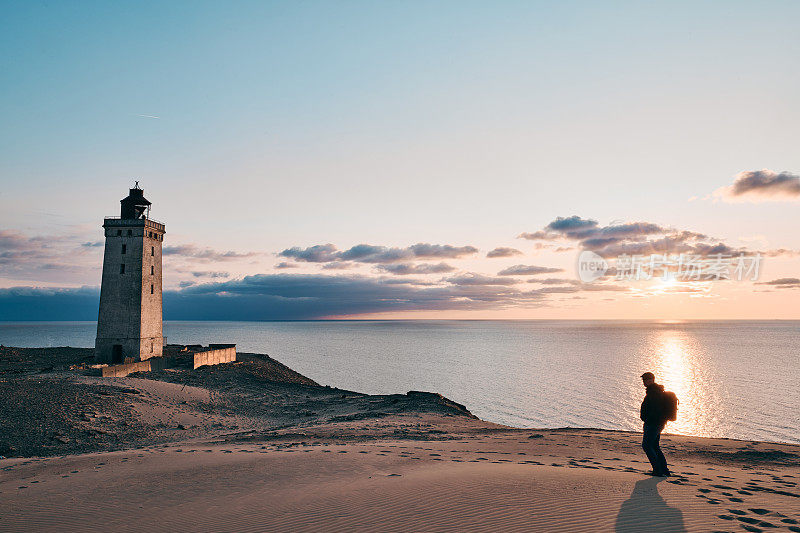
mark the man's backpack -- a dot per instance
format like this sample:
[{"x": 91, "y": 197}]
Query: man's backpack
[{"x": 670, "y": 405}]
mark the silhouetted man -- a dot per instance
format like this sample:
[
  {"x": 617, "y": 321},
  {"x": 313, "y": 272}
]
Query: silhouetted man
[{"x": 654, "y": 416}]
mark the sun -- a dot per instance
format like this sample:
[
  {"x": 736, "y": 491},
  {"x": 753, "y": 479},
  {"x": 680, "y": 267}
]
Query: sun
[{"x": 663, "y": 285}]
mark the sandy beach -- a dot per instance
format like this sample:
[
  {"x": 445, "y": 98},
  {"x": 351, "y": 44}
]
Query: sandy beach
[{"x": 253, "y": 446}]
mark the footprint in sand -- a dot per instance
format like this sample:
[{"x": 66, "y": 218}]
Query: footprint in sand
[
  {"x": 756, "y": 522},
  {"x": 752, "y": 528}
]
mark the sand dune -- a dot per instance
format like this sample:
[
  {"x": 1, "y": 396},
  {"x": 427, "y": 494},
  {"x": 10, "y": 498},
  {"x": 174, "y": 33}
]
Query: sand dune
[{"x": 561, "y": 481}]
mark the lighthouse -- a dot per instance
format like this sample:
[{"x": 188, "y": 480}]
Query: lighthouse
[{"x": 129, "y": 322}]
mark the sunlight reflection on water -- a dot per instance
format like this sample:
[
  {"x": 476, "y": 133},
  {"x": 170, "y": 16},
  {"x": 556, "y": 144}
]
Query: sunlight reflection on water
[{"x": 678, "y": 363}]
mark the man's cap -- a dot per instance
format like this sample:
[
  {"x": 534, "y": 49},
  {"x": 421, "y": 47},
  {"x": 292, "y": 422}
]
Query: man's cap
[{"x": 648, "y": 375}]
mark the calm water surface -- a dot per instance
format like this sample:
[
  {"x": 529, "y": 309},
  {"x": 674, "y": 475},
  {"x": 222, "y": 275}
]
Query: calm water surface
[{"x": 734, "y": 379}]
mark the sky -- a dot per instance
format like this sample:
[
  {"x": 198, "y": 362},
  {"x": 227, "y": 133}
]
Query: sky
[{"x": 404, "y": 159}]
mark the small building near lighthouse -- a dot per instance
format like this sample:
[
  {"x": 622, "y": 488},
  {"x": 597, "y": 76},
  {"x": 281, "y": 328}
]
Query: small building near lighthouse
[{"x": 129, "y": 323}]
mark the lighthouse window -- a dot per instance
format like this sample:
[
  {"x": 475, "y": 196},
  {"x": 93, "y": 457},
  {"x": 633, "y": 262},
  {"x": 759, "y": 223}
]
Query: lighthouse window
[
  {"x": 124, "y": 248},
  {"x": 130, "y": 232},
  {"x": 119, "y": 232},
  {"x": 152, "y": 250},
  {"x": 152, "y": 270},
  {"x": 151, "y": 288},
  {"x": 122, "y": 268}
]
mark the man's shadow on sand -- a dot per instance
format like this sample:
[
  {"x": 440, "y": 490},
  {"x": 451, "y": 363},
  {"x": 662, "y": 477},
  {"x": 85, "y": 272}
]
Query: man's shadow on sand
[{"x": 646, "y": 510}]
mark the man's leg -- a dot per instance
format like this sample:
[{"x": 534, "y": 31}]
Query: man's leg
[
  {"x": 661, "y": 461},
  {"x": 649, "y": 437}
]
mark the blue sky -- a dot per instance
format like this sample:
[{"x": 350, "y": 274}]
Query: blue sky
[{"x": 256, "y": 127}]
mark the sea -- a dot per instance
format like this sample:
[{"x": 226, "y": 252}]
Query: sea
[{"x": 735, "y": 379}]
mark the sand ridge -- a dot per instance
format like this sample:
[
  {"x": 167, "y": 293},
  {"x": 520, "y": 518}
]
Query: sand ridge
[{"x": 556, "y": 481}]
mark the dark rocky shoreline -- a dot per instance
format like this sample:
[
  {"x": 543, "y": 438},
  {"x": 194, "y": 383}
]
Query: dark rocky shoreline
[{"x": 54, "y": 403}]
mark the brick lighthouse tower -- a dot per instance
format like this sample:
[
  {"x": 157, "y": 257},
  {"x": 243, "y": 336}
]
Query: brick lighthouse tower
[{"x": 129, "y": 322}]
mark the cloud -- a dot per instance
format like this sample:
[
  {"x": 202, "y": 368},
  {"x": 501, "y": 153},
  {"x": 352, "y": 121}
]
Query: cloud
[
  {"x": 207, "y": 274},
  {"x": 53, "y": 257},
  {"x": 431, "y": 251},
  {"x": 528, "y": 270},
  {"x": 403, "y": 269},
  {"x": 368, "y": 253},
  {"x": 308, "y": 296},
  {"x": 572, "y": 227},
  {"x": 630, "y": 238},
  {"x": 15, "y": 244},
  {"x": 761, "y": 185},
  {"x": 321, "y": 253},
  {"x": 94, "y": 244},
  {"x": 286, "y": 264},
  {"x": 340, "y": 265},
  {"x": 287, "y": 296},
  {"x": 554, "y": 281},
  {"x": 536, "y": 235},
  {"x": 783, "y": 283},
  {"x": 781, "y": 252},
  {"x": 472, "y": 278},
  {"x": 573, "y": 286},
  {"x": 503, "y": 251},
  {"x": 204, "y": 254}
]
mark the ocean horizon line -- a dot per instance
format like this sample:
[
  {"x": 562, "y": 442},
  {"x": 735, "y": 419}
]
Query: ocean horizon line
[{"x": 608, "y": 320}]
